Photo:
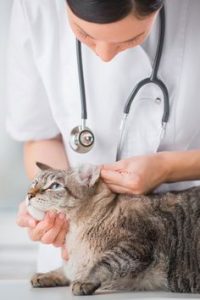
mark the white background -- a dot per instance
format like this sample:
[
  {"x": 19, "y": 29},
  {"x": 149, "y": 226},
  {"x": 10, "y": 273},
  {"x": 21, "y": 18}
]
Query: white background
[
  {"x": 17, "y": 252},
  {"x": 13, "y": 183}
]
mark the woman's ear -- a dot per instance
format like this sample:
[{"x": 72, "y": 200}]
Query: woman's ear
[
  {"x": 88, "y": 175},
  {"x": 43, "y": 167}
]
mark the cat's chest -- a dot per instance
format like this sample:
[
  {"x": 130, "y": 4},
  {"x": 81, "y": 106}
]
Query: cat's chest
[
  {"x": 73, "y": 238},
  {"x": 81, "y": 255}
]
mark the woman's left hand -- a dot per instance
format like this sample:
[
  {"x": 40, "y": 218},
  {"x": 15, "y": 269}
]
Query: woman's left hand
[{"x": 136, "y": 175}]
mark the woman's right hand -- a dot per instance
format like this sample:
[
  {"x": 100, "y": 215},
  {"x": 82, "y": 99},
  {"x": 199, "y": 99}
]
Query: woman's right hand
[{"x": 51, "y": 230}]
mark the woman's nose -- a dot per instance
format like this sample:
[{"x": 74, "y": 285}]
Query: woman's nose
[{"x": 105, "y": 51}]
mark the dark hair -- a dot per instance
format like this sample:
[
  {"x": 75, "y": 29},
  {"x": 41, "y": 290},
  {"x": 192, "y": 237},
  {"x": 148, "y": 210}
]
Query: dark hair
[{"x": 108, "y": 11}]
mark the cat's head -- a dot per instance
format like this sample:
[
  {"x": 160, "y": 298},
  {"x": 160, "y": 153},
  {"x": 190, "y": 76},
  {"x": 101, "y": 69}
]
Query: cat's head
[{"x": 61, "y": 190}]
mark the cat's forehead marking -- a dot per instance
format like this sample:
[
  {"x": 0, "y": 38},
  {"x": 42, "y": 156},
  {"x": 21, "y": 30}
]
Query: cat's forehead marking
[
  {"x": 34, "y": 183},
  {"x": 48, "y": 176}
]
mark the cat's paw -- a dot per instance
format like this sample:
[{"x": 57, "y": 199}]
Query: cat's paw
[
  {"x": 84, "y": 288},
  {"x": 48, "y": 280}
]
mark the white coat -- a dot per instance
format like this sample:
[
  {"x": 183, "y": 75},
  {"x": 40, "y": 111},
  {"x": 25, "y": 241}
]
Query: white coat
[{"x": 43, "y": 89}]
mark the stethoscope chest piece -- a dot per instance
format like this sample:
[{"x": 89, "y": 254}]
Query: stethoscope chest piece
[{"x": 81, "y": 139}]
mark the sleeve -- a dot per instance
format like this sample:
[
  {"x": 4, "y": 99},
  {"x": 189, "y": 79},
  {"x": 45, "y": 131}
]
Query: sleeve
[{"x": 29, "y": 116}]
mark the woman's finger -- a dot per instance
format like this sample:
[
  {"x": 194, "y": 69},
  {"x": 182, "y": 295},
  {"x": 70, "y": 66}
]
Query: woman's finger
[
  {"x": 42, "y": 227},
  {"x": 26, "y": 221},
  {"x": 65, "y": 254},
  {"x": 23, "y": 217},
  {"x": 127, "y": 180},
  {"x": 111, "y": 176},
  {"x": 50, "y": 236},
  {"x": 114, "y": 167},
  {"x": 119, "y": 189},
  {"x": 60, "y": 239}
]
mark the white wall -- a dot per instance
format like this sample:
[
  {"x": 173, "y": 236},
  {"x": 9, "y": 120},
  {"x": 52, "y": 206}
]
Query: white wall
[{"x": 13, "y": 183}]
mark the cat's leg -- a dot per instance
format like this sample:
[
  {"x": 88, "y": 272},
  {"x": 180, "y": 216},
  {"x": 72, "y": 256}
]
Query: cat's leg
[
  {"x": 123, "y": 260},
  {"x": 50, "y": 279}
]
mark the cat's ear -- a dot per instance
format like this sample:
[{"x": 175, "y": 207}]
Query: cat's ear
[
  {"x": 88, "y": 174},
  {"x": 43, "y": 167}
]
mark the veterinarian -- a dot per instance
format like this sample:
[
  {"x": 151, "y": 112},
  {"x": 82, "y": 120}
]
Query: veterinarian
[{"x": 161, "y": 143}]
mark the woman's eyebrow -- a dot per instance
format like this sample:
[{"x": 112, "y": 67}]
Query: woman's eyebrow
[{"x": 127, "y": 41}]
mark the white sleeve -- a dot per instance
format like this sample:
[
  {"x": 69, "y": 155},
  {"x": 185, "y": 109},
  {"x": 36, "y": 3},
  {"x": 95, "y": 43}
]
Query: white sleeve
[{"x": 29, "y": 116}]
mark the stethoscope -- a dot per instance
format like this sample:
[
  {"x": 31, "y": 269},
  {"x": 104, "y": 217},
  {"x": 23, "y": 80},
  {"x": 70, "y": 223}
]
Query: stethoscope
[{"x": 82, "y": 138}]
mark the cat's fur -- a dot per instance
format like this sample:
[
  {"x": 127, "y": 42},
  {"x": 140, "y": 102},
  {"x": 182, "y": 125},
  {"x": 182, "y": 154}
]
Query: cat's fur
[{"x": 120, "y": 242}]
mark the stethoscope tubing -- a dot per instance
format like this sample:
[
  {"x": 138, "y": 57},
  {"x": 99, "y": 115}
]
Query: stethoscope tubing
[
  {"x": 81, "y": 81},
  {"x": 153, "y": 79},
  {"x": 139, "y": 86}
]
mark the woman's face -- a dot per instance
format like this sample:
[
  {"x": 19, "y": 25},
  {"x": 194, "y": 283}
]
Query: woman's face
[{"x": 107, "y": 40}]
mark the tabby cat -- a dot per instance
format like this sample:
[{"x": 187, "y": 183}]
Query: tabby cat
[{"x": 119, "y": 242}]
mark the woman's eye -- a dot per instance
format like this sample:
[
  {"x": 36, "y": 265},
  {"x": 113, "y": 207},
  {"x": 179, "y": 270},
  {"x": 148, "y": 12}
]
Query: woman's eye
[
  {"x": 83, "y": 34},
  {"x": 55, "y": 186}
]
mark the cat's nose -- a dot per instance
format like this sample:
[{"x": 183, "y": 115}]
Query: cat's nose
[
  {"x": 32, "y": 192},
  {"x": 28, "y": 198},
  {"x": 30, "y": 195}
]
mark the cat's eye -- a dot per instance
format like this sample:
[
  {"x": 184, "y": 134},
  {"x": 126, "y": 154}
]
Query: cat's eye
[{"x": 55, "y": 186}]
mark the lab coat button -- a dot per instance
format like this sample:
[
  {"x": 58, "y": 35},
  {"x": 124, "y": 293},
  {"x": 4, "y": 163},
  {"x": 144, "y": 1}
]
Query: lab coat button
[{"x": 158, "y": 100}]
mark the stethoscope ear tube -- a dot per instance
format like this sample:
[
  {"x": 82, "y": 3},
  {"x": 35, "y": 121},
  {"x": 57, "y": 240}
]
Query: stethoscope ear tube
[
  {"x": 122, "y": 136},
  {"x": 166, "y": 111},
  {"x": 160, "y": 46}
]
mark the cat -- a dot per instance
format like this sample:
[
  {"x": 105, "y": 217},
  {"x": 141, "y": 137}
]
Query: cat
[{"x": 119, "y": 242}]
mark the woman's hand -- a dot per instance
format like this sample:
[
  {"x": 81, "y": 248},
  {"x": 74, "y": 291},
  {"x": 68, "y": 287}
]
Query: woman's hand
[
  {"x": 51, "y": 230},
  {"x": 136, "y": 175}
]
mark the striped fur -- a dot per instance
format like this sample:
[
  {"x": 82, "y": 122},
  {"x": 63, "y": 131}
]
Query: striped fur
[{"x": 121, "y": 242}]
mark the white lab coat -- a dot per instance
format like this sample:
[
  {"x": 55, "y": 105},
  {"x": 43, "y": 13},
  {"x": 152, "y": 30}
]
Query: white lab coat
[{"x": 43, "y": 90}]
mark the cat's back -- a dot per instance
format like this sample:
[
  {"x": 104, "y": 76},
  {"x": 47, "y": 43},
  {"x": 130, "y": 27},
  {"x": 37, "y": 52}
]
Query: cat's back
[
  {"x": 179, "y": 213},
  {"x": 174, "y": 215},
  {"x": 179, "y": 208},
  {"x": 174, "y": 220},
  {"x": 187, "y": 201}
]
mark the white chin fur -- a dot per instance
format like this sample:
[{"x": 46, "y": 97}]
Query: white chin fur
[{"x": 35, "y": 213}]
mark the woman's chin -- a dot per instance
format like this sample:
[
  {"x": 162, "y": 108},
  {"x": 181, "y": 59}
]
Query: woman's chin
[{"x": 37, "y": 214}]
